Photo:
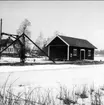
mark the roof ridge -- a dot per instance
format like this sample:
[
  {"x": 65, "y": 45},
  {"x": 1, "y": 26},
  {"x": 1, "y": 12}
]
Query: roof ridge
[
  {"x": 79, "y": 42},
  {"x": 72, "y": 41},
  {"x": 72, "y": 37}
]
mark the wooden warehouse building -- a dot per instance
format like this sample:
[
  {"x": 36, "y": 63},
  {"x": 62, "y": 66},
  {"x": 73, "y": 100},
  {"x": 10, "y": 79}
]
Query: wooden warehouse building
[{"x": 68, "y": 48}]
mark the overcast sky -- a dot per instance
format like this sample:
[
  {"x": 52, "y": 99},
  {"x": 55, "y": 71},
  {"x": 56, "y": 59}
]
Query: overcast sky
[{"x": 81, "y": 19}]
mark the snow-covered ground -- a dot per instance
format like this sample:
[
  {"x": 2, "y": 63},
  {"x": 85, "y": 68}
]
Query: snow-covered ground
[
  {"x": 98, "y": 58},
  {"x": 51, "y": 75},
  {"x": 37, "y": 60},
  {"x": 32, "y": 60}
]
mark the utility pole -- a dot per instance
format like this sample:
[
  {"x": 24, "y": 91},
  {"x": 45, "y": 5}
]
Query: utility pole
[
  {"x": 1, "y": 26},
  {"x": 0, "y": 30},
  {"x": 0, "y": 34}
]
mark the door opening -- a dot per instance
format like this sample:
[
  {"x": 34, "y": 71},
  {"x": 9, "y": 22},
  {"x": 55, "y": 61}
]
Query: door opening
[{"x": 82, "y": 54}]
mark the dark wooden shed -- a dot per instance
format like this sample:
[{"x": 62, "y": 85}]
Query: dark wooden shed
[{"x": 68, "y": 48}]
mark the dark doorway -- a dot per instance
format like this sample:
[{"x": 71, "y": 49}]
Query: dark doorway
[
  {"x": 58, "y": 52},
  {"x": 82, "y": 55}
]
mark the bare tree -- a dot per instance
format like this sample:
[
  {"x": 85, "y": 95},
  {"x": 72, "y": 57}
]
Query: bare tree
[
  {"x": 24, "y": 28},
  {"x": 40, "y": 41},
  {"x": 23, "y": 45}
]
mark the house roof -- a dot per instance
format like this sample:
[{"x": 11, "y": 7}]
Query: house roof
[
  {"x": 4, "y": 42},
  {"x": 75, "y": 42}
]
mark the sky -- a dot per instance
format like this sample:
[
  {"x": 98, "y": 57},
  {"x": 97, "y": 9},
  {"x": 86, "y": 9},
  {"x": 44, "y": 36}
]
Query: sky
[{"x": 80, "y": 19}]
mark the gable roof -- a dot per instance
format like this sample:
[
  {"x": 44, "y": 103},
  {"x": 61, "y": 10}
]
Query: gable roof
[{"x": 75, "y": 42}]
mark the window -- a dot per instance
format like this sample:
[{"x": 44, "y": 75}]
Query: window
[
  {"x": 11, "y": 49},
  {"x": 8, "y": 50},
  {"x": 89, "y": 52},
  {"x": 74, "y": 52}
]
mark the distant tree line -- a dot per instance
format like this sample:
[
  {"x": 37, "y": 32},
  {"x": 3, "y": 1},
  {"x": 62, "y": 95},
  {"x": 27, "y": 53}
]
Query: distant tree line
[{"x": 101, "y": 52}]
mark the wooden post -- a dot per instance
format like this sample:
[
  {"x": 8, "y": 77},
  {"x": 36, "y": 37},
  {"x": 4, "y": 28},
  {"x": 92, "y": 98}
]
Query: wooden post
[
  {"x": 22, "y": 49},
  {"x": 0, "y": 34},
  {"x": 49, "y": 50},
  {"x": 67, "y": 52},
  {"x": 0, "y": 28}
]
